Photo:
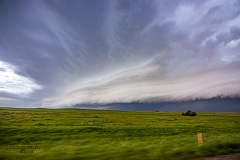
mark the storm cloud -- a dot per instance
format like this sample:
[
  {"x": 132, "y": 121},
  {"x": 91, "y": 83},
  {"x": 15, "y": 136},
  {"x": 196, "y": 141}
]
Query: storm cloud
[{"x": 64, "y": 53}]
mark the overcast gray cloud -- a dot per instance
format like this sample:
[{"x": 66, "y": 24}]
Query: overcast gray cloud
[{"x": 63, "y": 53}]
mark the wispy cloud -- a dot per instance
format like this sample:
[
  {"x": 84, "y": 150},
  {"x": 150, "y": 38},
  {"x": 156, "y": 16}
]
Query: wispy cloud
[{"x": 64, "y": 53}]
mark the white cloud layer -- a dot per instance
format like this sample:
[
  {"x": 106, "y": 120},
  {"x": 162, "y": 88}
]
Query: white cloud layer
[
  {"x": 150, "y": 84},
  {"x": 13, "y": 83}
]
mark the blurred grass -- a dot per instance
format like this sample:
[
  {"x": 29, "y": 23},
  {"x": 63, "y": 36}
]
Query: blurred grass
[{"x": 101, "y": 134}]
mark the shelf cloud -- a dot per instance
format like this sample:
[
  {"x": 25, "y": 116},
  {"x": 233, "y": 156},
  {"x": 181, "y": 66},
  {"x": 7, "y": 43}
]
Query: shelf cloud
[{"x": 66, "y": 53}]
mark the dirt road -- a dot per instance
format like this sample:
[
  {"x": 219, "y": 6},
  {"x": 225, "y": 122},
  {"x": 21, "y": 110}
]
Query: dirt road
[{"x": 234, "y": 156}]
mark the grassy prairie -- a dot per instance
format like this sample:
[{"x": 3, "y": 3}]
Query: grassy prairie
[{"x": 102, "y": 134}]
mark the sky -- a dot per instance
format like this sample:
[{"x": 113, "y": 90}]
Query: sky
[{"x": 64, "y": 53}]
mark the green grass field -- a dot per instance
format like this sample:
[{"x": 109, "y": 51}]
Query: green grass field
[{"x": 101, "y": 134}]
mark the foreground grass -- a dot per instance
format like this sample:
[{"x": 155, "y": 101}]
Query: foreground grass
[{"x": 99, "y": 134}]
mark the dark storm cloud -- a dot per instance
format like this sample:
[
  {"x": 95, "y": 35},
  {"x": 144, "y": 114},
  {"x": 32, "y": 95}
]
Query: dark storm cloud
[
  {"x": 62, "y": 53},
  {"x": 206, "y": 105}
]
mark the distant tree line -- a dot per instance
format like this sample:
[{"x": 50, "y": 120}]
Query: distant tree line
[{"x": 189, "y": 113}]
